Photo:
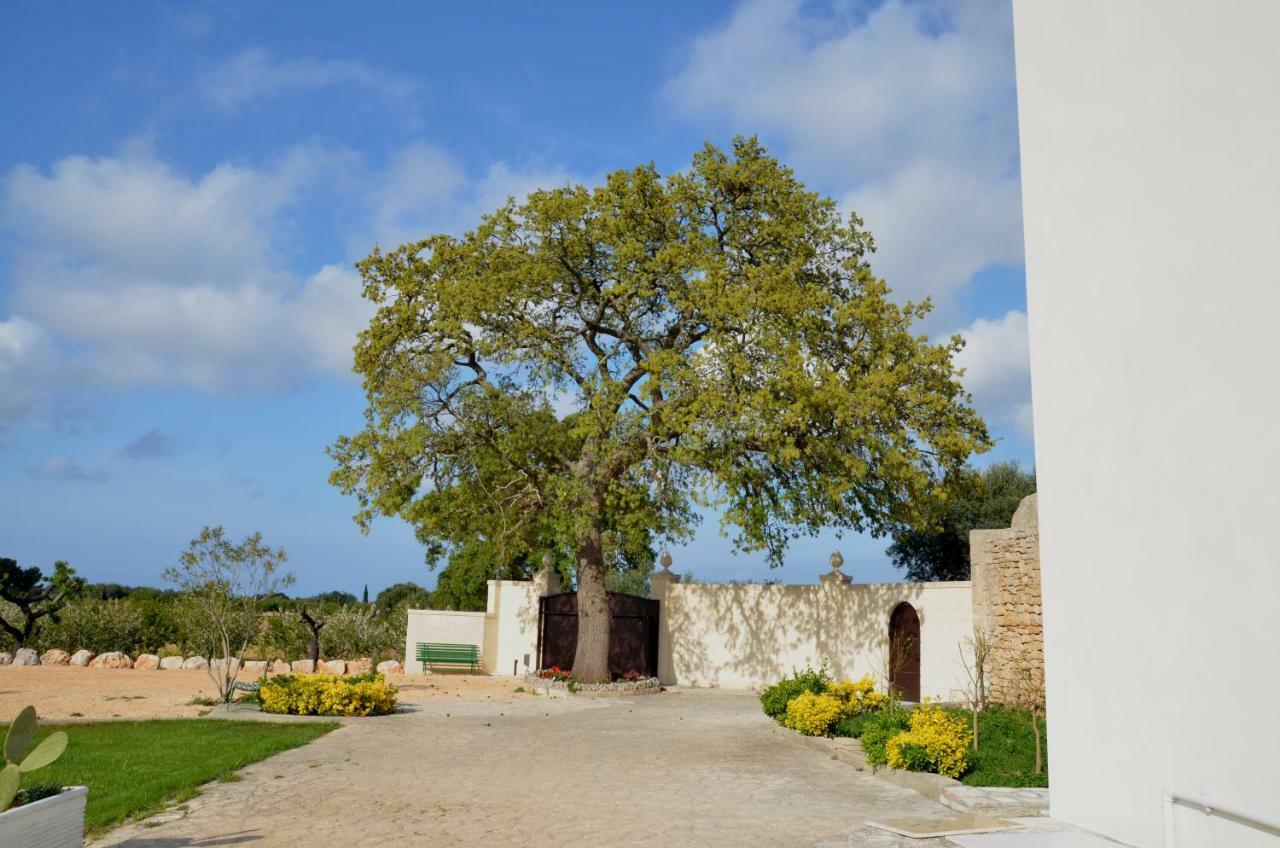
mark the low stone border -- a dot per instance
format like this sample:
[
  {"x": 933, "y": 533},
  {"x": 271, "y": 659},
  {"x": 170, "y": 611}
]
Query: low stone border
[
  {"x": 562, "y": 688},
  {"x": 1001, "y": 801},
  {"x": 151, "y": 662}
]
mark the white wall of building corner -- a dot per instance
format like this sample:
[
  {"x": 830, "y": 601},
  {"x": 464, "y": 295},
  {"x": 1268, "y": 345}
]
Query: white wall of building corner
[
  {"x": 1151, "y": 198},
  {"x": 514, "y": 612}
]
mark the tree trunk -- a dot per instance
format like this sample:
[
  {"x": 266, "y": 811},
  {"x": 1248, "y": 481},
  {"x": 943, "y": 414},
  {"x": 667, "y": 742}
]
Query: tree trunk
[
  {"x": 591, "y": 661},
  {"x": 315, "y": 626},
  {"x": 1035, "y": 726}
]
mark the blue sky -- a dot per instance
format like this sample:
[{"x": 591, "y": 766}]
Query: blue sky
[{"x": 183, "y": 193}]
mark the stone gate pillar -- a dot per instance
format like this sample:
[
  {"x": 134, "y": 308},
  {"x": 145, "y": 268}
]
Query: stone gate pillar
[{"x": 660, "y": 582}]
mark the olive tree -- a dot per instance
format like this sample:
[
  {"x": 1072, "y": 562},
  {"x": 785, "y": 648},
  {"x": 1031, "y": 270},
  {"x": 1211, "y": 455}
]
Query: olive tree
[
  {"x": 34, "y": 596},
  {"x": 592, "y": 361},
  {"x": 224, "y": 585}
]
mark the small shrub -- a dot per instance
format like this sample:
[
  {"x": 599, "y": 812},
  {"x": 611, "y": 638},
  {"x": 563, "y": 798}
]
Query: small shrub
[
  {"x": 99, "y": 626},
  {"x": 878, "y": 729},
  {"x": 774, "y": 700},
  {"x": 851, "y": 726},
  {"x": 328, "y": 695},
  {"x": 813, "y": 715},
  {"x": 909, "y": 756},
  {"x": 859, "y": 696},
  {"x": 942, "y": 736},
  {"x": 350, "y": 631},
  {"x": 36, "y": 792}
]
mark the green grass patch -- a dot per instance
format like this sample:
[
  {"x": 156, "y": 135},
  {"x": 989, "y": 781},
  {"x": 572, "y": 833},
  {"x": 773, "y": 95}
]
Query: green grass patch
[
  {"x": 1006, "y": 754},
  {"x": 134, "y": 768}
]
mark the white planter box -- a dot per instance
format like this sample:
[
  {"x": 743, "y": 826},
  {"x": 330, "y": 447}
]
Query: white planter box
[{"x": 56, "y": 822}]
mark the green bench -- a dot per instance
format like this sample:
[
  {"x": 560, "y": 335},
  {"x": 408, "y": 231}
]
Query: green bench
[{"x": 443, "y": 653}]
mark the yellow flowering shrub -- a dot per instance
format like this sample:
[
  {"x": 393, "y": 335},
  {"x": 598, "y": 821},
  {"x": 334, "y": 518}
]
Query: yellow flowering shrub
[
  {"x": 937, "y": 741},
  {"x": 813, "y": 714},
  {"x": 328, "y": 695},
  {"x": 858, "y": 696}
]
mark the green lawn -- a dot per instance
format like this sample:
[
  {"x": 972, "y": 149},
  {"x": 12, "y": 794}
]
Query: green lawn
[{"x": 137, "y": 767}]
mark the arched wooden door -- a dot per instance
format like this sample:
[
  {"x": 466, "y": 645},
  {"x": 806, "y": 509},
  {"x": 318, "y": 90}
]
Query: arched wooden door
[{"x": 904, "y": 652}]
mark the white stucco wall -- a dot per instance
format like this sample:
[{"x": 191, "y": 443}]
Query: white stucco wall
[
  {"x": 744, "y": 636},
  {"x": 460, "y": 628},
  {"x": 1151, "y": 182},
  {"x": 513, "y": 611}
]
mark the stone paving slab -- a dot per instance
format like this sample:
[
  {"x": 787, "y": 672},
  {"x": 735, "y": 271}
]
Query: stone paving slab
[
  {"x": 695, "y": 768},
  {"x": 1002, "y": 801}
]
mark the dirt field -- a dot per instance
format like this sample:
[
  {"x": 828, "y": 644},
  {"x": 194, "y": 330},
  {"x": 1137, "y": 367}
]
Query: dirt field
[{"x": 60, "y": 692}]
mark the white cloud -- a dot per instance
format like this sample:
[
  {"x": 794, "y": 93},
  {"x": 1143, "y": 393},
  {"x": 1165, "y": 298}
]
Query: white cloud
[
  {"x": 255, "y": 74},
  {"x": 150, "y": 277},
  {"x": 906, "y": 113},
  {"x": 22, "y": 352},
  {"x": 128, "y": 272},
  {"x": 997, "y": 370},
  {"x": 424, "y": 190}
]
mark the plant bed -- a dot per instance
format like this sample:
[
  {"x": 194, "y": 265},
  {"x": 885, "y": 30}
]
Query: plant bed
[
  {"x": 564, "y": 686},
  {"x": 915, "y": 745},
  {"x": 53, "y": 822}
]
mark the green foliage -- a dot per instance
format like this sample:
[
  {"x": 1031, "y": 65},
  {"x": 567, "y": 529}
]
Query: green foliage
[
  {"x": 223, "y": 584},
  {"x": 938, "y": 549},
  {"x": 284, "y": 635},
  {"x": 851, "y": 726},
  {"x": 29, "y": 596},
  {"x": 878, "y": 729},
  {"x": 774, "y": 699},
  {"x": 410, "y": 595},
  {"x": 333, "y": 598},
  {"x": 20, "y": 761},
  {"x": 353, "y": 632},
  {"x": 1006, "y": 756},
  {"x": 914, "y": 757},
  {"x": 718, "y": 337},
  {"x": 180, "y": 755},
  {"x": 100, "y": 626},
  {"x": 36, "y": 792}
]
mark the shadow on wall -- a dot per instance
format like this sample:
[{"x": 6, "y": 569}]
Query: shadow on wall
[{"x": 751, "y": 635}]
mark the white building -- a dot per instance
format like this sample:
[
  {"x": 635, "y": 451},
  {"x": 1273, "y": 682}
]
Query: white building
[{"x": 1151, "y": 182}]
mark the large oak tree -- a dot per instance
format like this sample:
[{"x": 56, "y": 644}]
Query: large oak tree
[{"x": 592, "y": 363}]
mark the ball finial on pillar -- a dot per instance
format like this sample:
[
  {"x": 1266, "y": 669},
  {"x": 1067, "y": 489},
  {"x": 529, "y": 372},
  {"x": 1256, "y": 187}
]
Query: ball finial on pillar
[
  {"x": 665, "y": 559},
  {"x": 548, "y": 560},
  {"x": 835, "y": 575}
]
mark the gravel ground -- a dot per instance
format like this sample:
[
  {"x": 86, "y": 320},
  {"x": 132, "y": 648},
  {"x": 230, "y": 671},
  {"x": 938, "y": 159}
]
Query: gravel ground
[
  {"x": 694, "y": 767},
  {"x": 65, "y": 692}
]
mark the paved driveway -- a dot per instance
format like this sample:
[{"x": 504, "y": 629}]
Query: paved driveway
[{"x": 692, "y": 767}]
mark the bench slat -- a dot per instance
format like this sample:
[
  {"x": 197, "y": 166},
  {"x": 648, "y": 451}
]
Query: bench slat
[{"x": 432, "y": 653}]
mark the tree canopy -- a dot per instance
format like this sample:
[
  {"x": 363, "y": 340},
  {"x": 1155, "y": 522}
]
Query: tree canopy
[
  {"x": 938, "y": 549},
  {"x": 589, "y": 365}
]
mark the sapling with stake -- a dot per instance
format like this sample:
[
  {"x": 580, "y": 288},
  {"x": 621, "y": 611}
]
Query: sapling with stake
[{"x": 975, "y": 652}]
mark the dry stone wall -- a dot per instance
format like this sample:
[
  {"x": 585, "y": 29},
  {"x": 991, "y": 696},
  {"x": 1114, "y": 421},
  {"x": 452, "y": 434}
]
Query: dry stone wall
[{"x": 1005, "y": 571}]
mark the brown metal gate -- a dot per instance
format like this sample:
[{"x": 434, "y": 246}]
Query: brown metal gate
[
  {"x": 904, "y": 652},
  {"x": 633, "y": 633}
]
